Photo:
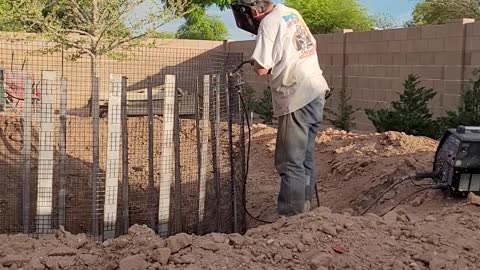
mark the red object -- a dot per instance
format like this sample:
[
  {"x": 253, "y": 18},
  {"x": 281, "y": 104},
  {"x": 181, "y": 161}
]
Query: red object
[{"x": 339, "y": 250}]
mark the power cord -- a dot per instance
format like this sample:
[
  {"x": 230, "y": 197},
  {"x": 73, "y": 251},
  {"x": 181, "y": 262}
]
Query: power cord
[
  {"x": 248, "y": 161},
  {"x": 409, "y": 196},
  {"x": 402, "y": 180}
]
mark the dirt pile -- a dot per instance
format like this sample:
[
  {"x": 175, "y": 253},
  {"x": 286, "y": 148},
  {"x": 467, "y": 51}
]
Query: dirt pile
[
  {"x": 317, "y": 240},
  {"x": 352, "y": 170},
  {"x": 404, "y": 229}
]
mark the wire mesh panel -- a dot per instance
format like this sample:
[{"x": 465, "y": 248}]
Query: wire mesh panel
[{"x": 97, "y": 144}]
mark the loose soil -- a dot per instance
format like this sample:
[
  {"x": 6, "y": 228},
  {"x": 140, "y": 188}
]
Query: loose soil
[{"x": 408, "y": 227}]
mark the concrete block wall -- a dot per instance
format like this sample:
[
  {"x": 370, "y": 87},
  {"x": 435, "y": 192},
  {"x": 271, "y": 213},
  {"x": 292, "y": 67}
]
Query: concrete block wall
[{"x": 373, "y": 65}]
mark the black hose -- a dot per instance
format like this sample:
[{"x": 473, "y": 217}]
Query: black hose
[
  {"x": 240, "y": 66},
  {"x": 383, "y": 194},
  {"x": 248, "y": 160},
  {"x": 403, "y": 179},
  {"x": 416, "y": 192}
]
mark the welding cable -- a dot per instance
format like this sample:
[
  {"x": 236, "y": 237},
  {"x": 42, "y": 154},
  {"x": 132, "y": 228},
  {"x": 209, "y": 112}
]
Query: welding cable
[
  {"x": 403, "y": 179},
  {"x": 248, "y": 161},
  {"x": 415, "y": 179},
  {"x": 244, "y": 107},
  {"x": 414, "y": 193}
]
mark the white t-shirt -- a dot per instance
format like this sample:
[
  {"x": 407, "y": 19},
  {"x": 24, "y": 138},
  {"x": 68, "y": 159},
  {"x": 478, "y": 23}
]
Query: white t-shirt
[{"x": 285, "y": 45}]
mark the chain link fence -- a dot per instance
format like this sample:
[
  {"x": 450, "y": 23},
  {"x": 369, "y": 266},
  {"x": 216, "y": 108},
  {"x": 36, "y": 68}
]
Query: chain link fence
[{"x": 153, "y": 137}]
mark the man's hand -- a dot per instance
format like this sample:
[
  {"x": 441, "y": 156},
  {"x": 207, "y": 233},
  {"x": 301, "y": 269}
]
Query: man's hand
[{"x": 261, "y": 71}]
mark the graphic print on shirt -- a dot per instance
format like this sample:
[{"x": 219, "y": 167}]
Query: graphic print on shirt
[{"x": 302, "y": 40}]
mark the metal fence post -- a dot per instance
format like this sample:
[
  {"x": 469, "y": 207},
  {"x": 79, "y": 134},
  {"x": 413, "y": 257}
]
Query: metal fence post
[
  {"x": 176, "y": 143},
  {"x": 95, "y": 155},
  {"x": 216, "y": 148},
  {"x": 199, "y": 153},
  {"x": 151, "y": 179},
  {"x": 231, "y": 153},
  {"x": 242, "y": 154},
  {"x": 27, "y": 147},
  {"x": 2, "y": 91},
  {"x": 63, "y": 151},
  {"x": 125, "y": 200}
]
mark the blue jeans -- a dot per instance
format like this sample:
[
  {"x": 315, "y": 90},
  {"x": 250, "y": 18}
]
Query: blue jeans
[{"x": 295, "y": 156}]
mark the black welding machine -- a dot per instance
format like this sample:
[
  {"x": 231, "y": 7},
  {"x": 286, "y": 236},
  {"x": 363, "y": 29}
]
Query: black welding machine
[{"x": 456, "y": 166}]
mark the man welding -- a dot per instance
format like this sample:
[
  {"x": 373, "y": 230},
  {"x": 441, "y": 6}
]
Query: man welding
[{"x": 286, "y": 50}]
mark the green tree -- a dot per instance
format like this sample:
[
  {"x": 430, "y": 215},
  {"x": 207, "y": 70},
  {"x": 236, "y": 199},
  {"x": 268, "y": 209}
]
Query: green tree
[
  {"x": 344, "y": 117},
  {"x": 248, "y": 95},
  {"x": 199, "y": 25},
  {"x": 56, "y": 9},
  {"x": 468, "y": 114},
  {"x": 385, "y": 21},
  {"x": 264, "y": 106},
  {"x": 410, "y": 114},
  {"x": 6, "y": 25},
  {"x": 93, "y": 27},
  {"x": 441, "y": 11},
  {"x": 161, "y": 35},
  {"x": 327, "y": 16}
]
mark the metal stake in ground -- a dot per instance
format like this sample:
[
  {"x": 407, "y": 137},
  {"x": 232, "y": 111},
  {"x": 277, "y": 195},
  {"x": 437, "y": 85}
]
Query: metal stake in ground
[
  {"x": 176, "y": 143},
  {"x": 124, "y": 156},
  {"x": 95, "y": 156},
  {"x": 216, "y": 150},
  {"x": 63, "y": 151},
  {"x": 27, "y": 146},
  {"x": 151, "y": 183}
]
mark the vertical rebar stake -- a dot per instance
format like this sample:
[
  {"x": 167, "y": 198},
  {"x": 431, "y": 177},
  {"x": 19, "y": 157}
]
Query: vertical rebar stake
[
  {"x": 27, "y": 146},
  {"x": 95, "y": 156},
  {"x": 199, "y": 152},
  {"x": 151, "y": 183},
  {"x": 176, "y": 142},
  {"x": 230, "y": 153},
  {"x": 63, "y": 151},
  {"x": 215, "y": 150},
  {"x": 123, "y": 105},
  {"x": 242, "y": 154}
]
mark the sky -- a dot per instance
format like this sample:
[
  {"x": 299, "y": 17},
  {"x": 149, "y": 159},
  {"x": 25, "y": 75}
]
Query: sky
[{"x": 398, "y": 9}]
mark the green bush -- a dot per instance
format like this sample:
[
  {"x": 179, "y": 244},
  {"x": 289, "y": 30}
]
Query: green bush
[
  {"x": 344, "y": 118},
  {"x": 248, "y": 95},
  {"x": 410, "y": 114},
  {"x": 264, "y": 107},
  {"x": 468, "y": 114}
]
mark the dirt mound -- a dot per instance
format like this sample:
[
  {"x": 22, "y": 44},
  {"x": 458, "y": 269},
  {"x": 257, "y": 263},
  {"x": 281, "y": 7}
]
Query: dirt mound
[
  {"x": 407, "y": 227},
  {"x": 352, "y": 170},
  {"x": 316, "y": 240}
]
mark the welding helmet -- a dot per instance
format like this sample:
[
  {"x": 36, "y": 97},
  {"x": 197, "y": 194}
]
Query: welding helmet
[{"x": 242, "y": 12}]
